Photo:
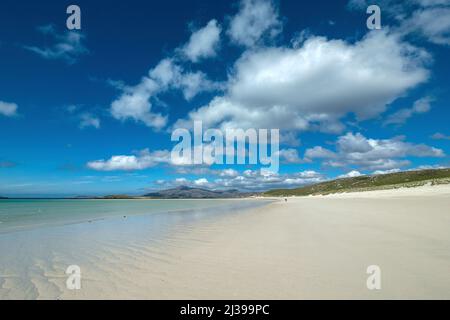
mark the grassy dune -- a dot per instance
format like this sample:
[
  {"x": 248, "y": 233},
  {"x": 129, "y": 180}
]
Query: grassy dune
[{"x": 368, "y": 183}]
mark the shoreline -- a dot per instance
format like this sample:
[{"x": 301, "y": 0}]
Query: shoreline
[
  {"x": 313, "y": 247},
  {"x": 308, "y": 248},
  {"x": 376, "y": 191},
  {"x": 221, "y": 206}
]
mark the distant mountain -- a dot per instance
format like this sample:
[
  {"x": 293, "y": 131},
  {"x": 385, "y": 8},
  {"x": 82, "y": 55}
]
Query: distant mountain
[
  {"x": 367, "y": 183},
  {"x": 4, "y": 198},
  {"x": 116, "y": 196},
  {"x": 108, "y": 197},
  {"x": 184, "y": 192}
]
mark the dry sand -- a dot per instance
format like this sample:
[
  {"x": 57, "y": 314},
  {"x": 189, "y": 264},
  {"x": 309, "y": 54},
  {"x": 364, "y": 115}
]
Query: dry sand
[{"x": 306, "y": 248}]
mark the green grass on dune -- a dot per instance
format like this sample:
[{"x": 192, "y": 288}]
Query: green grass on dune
[{"x": 367, "y": 183}]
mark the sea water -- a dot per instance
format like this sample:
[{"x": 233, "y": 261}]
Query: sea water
[
  {"x": 40, "y": 239},
  {"x": 23, "y": 214}
]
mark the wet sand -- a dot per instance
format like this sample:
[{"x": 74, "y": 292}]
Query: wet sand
[{"x": 305, "y": 248}]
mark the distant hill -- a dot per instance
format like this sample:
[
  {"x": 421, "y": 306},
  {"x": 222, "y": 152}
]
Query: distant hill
[
  {"x": 367, "y": 183},
  {"x": 116, "y": 196},
  {"x": 4, "y": 198},
  {"x": 184, "y": 192},
  {"x": 108, "y": 197}
]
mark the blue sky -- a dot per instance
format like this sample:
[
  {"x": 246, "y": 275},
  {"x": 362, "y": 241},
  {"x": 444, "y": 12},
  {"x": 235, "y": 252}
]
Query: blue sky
[{"x": 91, "y": 112}]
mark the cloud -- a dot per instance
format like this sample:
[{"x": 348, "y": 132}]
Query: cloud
[
  {"x": 319, "y": 152},
  {"x": 354, "y": 143},
  {"x": 400, "y": 117},
  {"x": 143, "y": 160},
  {"x": 256, "y": 180},
  {"x": 202, "y": 182},
  {"x": 440, "y": 136},
  {"x": 249, "y": 180},
  {"x": 68, "y": 46},
  {"x": 355, "y": 150},
  {"x": 433, "y": 24},
  {"x": 8, "y": 109},
  {"x": 429, "y": 19},
  {"x": 290, "y": 139},
  {"x": 203, "y": 42},
  {"x": 290, "y": 155},
  {"x": 255, "y": 20},
  {"x": 351, "y": 174},
  {"x": 229, "y": 173},
  {"x": 428, "y": 167},
  {"x": 313, "y": 86},
  {"x": 378, "y": 172},
  {"x": 135, "y": 101},
  {"x": 89, "y": 120},
  {"x": 169, "y": 75},
  {"x": 193, "y": 83},
  {"x": 203, "y": 170},
  {"x": 85, "y": 119},
  {"x": 427, "y": 3}
]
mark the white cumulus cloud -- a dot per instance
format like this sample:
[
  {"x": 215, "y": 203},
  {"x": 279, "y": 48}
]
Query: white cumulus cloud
[
  {"x": 428, "y": 19},
  {"x": 400, "y": 117},
  {"x": 313, "y": 86},
  {"x": 249, "y": 180},
  {"x": 355, "y": 150},
  {"x": 203, "y": 42},
  {"x": 135, "y": 102},
  {"x": 143, "y": 160},
  {"x": 351, "y": 174},
  {"x": 255, "y": 20}
]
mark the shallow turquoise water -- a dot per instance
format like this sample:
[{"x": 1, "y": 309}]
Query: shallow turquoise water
[
  {"x": 39, "y": 239},
  {"x": 24, "y": 214}
]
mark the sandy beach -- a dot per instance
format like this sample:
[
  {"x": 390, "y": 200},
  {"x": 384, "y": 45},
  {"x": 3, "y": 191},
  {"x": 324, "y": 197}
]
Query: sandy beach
[{"x": 306, "y": 248}]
